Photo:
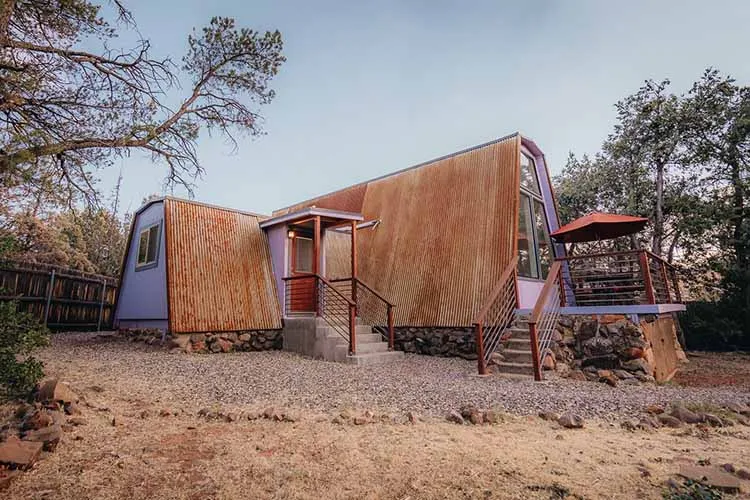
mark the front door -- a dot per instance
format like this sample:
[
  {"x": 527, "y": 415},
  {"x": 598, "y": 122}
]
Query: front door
[{"x": 302, "y": 292}]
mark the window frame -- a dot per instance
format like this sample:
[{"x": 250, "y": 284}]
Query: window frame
[
  {"x": 531, "y": 198},
  {"x": 148, "y": 264}
]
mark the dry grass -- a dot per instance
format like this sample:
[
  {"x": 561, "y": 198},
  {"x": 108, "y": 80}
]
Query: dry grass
[{"x": 184, "y": 456}]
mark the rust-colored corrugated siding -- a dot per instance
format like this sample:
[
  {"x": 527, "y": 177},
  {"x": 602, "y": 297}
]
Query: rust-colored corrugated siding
[
  {"x": 447, "y": 232},
  {"x": 348, "y": 200},
  {"x": 219, "y": 274}
]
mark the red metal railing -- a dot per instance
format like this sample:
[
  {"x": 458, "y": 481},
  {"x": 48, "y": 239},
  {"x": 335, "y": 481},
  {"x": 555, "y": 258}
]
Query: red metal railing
[
  {"x": 544, "y": 318},
  {"x": 311, "y": 293},
  {"x": 497, "y": 315},
  {"x": 372, "y": 307},
  {"x": 618, "y": 278}
]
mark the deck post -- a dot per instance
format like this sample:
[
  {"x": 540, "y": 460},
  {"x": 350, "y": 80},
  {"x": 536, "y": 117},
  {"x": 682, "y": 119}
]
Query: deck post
[
  {"x": 316, "y": 262},
  {"x": 535, "y": 352},
  {"x": 663, "y": 270},
  {"x": 481, "y": 365},
  {"x": 649, "y": 284},
  {"x": 49, "y": 296},
  {"x": 562, "y": 288}
]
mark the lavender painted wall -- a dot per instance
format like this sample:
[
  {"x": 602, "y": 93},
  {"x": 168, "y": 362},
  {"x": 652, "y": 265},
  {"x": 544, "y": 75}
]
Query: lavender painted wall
[
  {"x": 279, "y": 245},
  {"x": 142, "y": 302},
  {"x": 528, "y": 291}
]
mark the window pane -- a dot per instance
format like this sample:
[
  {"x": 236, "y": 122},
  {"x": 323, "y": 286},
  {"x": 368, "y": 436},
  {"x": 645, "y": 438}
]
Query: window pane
[
  {"x": 526, "y": 255},
  {"x": 153, "y": 243},
  {"x": 143, "y": 247},
  {"x": 542, "y": 238},
  {"x": 304, "y": 261},
  {"x": 528, "y": 175}
]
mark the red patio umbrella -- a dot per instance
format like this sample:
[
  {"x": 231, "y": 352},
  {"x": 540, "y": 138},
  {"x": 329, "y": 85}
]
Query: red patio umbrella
[{"x": 599, "y": 226}]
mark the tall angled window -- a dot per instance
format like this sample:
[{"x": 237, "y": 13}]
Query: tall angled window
[
  {"x": 148, "y": 247},
  {"x": 535, "y": 252}
]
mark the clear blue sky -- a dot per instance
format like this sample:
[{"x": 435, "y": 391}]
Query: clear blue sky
[{"x": 373, "y": 87}]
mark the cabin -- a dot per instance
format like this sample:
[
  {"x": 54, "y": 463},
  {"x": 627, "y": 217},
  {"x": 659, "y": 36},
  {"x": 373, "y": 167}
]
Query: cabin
[{"x": 454, "y": 256}]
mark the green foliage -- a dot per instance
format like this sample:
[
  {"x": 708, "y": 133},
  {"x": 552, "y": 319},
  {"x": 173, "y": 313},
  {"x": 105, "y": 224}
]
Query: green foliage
[
  {"x": 683, "y": 161},
  {"x": 692, "y": 490},
  {"x": 20, "y": 335}
]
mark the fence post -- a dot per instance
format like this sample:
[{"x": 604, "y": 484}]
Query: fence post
[
  {"x": 101, "y": 306},
  {"x": 49, "y": 295}
]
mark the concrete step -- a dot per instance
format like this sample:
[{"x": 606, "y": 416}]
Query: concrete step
[
  {"x": 515, "y": 368},
  {"x": 373, "y": 358},
  {"x": 518, "y": 343},
  {"x": 365, "y": 348},
  {"x": 517, "y": 356},
  {"x": 362, "y": 338},
  {"x": 517, "y": 332},
  {"x": 329, "y": 331}
]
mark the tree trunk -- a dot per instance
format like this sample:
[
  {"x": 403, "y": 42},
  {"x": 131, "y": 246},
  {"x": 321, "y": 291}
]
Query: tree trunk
[
  {"x": 6, "y": 12},
  {"x": 656, "y": 242}
]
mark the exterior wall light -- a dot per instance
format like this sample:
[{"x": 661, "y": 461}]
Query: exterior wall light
[{"x": 290, "y": 234}]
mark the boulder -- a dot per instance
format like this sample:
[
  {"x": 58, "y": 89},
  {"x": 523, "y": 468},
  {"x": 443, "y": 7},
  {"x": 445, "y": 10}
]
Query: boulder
[
  {"x": 467, "y": 410},
  {"x": 549, "y": 415},
  {"x": 19, "y": 454},
  {"x": 245, "y": 337},
  {"x": 224, "y": 345},
  {"x": 649, "y": 422},
  {"x": 571, "y": 421},
  {"x": 455, "y": 417},
  {"x": 685, "y": 415},
  {"x": 549, "y": 362},
  {"x": 587, "y": 330},
  {"x": 179, "y": 341},
  {"x": 655, "y": 409},
  {"x": 577, "y": 375},
  {"x": 48, "y": 436},
  {"x": 476, "y": 417},
  {"x": 36, "y": 420},
  {"x": 630, "y": 353},
  {"x": 199, "y": 346},
  {"x": 711, "y": 420},
  {"x": 610, "y": 380},
  {"x": 54, "y": 390},
  {"x": 669, "y": 421},
  {"x": 637, "y": 365},
  {"x": 77, "y": 421},
  {"x": 72, "y": 409}
]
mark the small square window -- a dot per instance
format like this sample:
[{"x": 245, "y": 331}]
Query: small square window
[{"x": 148, "y": 247}]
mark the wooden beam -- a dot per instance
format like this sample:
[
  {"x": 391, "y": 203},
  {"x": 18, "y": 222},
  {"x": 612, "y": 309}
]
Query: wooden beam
[{"x": 316, "y": 261}]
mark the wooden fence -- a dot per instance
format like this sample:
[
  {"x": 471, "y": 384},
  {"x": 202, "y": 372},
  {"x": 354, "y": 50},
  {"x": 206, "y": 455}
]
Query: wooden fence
[{"x": 64, "y": 299}]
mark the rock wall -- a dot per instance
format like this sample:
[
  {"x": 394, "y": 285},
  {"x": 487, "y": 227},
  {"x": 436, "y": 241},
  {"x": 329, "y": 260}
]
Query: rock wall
[
  {"x": 617, "y": 344},
  {"x": 437, "y": 341},
  {"x": 252, "y": 340}
]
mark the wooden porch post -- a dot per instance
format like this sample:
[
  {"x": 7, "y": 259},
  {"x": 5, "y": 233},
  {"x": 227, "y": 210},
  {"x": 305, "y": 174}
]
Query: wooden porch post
[
  {"x": 354, "y": 261},
  {"x": 316, "y": 261}
]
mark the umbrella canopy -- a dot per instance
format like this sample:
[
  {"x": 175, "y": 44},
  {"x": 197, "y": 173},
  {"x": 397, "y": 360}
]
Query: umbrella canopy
[{"x": 599, "y": 226}]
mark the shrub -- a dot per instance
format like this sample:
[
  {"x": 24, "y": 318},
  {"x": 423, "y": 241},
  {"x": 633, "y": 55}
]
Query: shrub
[
  {"x": 20, "y": 334},
  {"x": 714, "y": 326}
]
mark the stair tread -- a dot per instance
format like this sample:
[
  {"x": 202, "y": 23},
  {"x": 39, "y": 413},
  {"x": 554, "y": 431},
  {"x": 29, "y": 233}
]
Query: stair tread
[
  {"x": 516, "y": 351},
  {"x": 515, "y": 364}
]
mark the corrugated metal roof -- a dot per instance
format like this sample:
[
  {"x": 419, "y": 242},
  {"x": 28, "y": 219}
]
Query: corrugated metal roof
[
  {"x": 447, "y": 232},
  {"x": 219, "y": 274}
]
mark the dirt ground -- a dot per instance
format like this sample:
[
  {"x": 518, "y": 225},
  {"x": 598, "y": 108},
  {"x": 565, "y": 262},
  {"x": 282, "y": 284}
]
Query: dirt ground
[
  {"x": 127, "y": 449},
  {"x": 710, "y": 369}
]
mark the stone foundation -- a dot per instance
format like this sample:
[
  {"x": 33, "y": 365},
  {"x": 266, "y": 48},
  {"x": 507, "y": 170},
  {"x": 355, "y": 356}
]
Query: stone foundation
[
  {"x": 437, "y": 341},
  {"x": 595, "y": 347},
  {"x": 251, "y": 340}
]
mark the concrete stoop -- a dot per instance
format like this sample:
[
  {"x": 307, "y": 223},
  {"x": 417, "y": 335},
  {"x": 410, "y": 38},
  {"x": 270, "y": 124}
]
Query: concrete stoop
[{"x": 314, "y": 337}]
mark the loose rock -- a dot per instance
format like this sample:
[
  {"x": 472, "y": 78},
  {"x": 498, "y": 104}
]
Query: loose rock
[
  {"x": 669, "y": 421},
  {"x": 19, "y": 454},
  {"x": 685, "y": 415},
  {"x": 570, "y": 421},
  {"x": 48, "y": 436},
  {"x": 455, "y": 417},
  {"x": 54, "y": 390}
]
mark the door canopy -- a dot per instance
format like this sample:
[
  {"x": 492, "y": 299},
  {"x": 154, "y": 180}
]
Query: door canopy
[{"x": 599, "y": 226}]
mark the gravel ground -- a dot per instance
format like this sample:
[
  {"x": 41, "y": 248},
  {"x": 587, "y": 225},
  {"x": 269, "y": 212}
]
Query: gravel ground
[{"x": 429, "y": 385}]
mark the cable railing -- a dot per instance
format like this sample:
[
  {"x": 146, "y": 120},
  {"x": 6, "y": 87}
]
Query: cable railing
[
  {"x": 311, "y": 293},
  {"x": 497, "y": 315},
  {"x": 544, "y": 318},
  {"x": 372, "y": 307},
  {"x": 618, "y": 279}
]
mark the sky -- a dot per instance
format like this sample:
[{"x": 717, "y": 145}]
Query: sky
[{"x": 373, "y": 87}]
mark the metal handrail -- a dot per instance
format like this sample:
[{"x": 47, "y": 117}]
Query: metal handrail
[
  {"x": 543, "y": 320},
  {"x": 321, "y": 287},
  {"x": 359, "y": 284},
  {"x": 502, "y": 302}
]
